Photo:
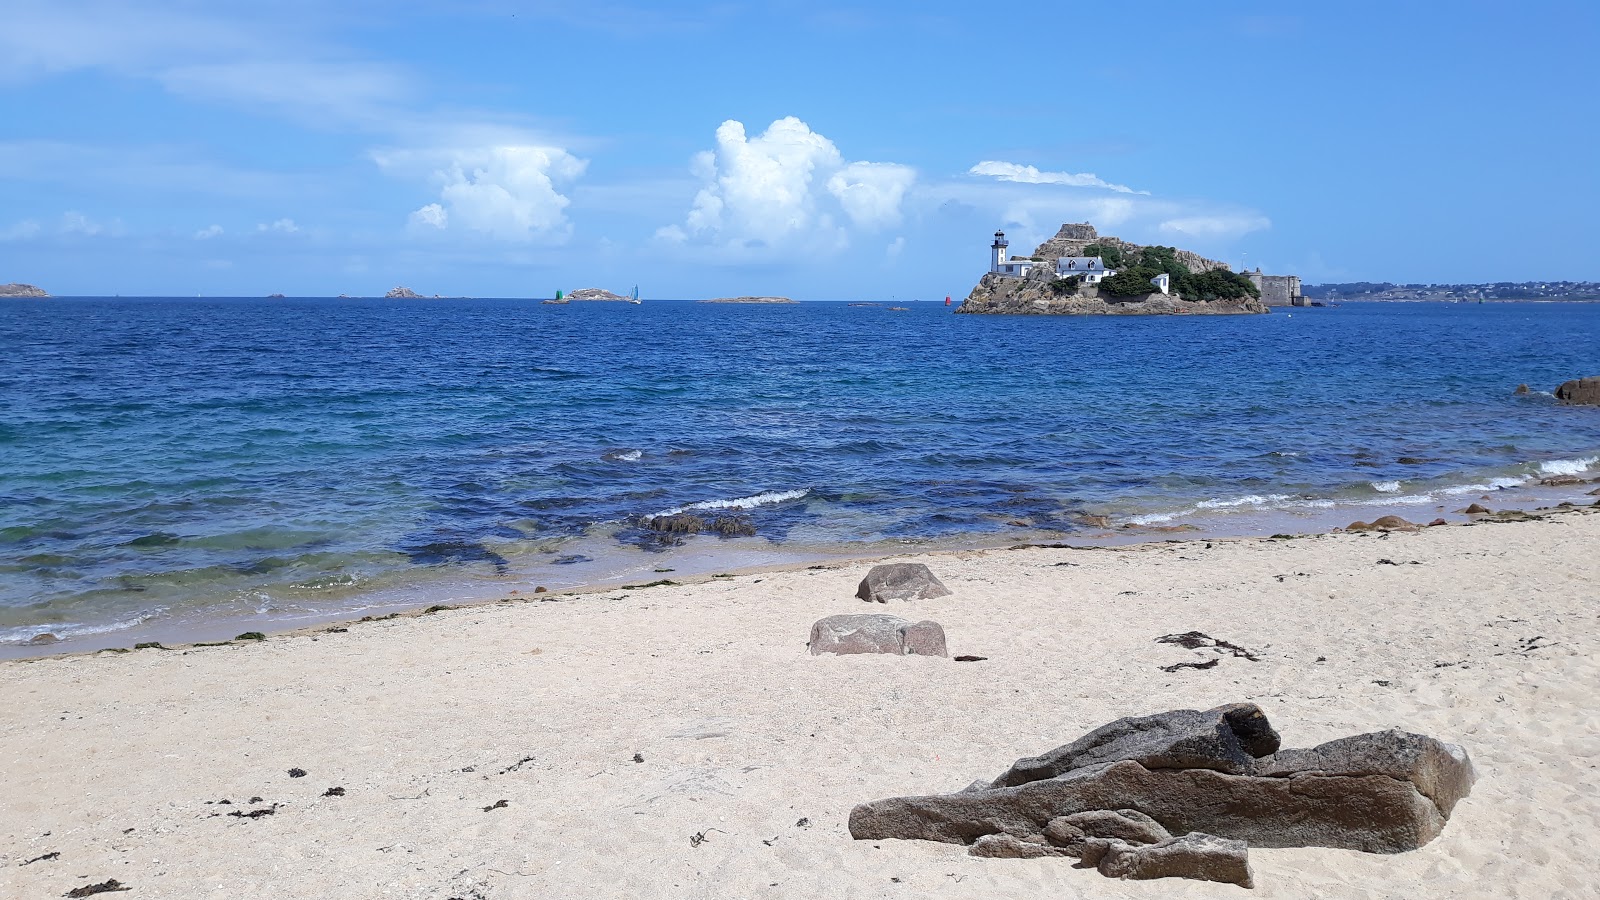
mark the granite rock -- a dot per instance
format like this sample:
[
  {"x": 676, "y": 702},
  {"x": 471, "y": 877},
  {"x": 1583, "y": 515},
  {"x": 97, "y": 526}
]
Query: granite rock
[
  {"x": 1203, "y": 857},
  {"x": 900, "y": 581},
  {"x": 877, "y": 634},
  {"x": 1581, "y": 391}
]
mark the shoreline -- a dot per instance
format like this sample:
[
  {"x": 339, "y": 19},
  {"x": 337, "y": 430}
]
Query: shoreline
[
  {"x": 704, "y": 561},
  {"x": 680, "y": 741}
]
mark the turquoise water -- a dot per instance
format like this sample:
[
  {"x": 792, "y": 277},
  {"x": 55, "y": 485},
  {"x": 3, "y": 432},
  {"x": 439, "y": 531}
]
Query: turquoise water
[{"x": 173, "y": 461}]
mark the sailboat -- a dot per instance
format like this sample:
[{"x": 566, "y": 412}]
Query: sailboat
[{"x": 634, "y": 297}]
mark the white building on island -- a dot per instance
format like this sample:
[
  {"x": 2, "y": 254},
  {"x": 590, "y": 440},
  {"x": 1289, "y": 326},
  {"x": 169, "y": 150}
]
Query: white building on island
[{"x": 1090, "y": 268}]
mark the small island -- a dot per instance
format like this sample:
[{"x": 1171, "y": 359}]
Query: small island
[
  {"x": 1080, "y": 273},
  {"x": 402, "y": 293},
  {"x": 274, "y": 296},
  {"x": 21, "y": 290},
  {"x": 749, "y": 300},
  {"x": 597, "y": 295}
]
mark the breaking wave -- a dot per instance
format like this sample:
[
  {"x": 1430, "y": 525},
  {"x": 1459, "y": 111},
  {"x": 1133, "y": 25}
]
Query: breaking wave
[
  {"x": 750, "y": 502},
  {"x": 1568, "y": 466}
]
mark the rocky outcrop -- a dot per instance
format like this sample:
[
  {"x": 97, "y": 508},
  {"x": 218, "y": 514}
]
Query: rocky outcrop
[
  {"x": 1202, "y": 857},
  {"x": 1033, "y": 295},
  {"x": 749, "y": 300},
  {"x": 1217, "y": 772},
  {"x": 877, "y": 634},
  {"x": 21, "y": 290},
  {"x": 1073, "y": 238},
  {"x": 595, "y": 294},
  {"x": 402, "y": 293},
  {"x": 1580, "y": 391},
  {"x": 900, "y": 581}
]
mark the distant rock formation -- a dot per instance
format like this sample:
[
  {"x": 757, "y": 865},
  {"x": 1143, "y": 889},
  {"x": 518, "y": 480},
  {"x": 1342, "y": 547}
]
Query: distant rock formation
[
  {"x": 749, "y": 300},
  {"x": 403, "y": 293},
  {"x": 21, "y": 290},
  {"x": 595, "y": 294},
  {"x": 274, "y": 296},
  {"x": 1041, "y": 291}
]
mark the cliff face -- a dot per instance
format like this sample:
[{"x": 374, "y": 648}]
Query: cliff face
[
  {"x": 1032, "y": 294},
  {"x": 21, "y": 290},
  {"x": 1001, "y": 294}
]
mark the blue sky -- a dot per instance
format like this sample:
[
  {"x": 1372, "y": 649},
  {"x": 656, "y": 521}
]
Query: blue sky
[{"x": 821, "y": 151}]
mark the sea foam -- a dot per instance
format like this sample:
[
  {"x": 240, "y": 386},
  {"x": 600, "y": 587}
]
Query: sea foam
[
  {"x": 1568, "y": 466},
  {"x": 750, "y": 502}
]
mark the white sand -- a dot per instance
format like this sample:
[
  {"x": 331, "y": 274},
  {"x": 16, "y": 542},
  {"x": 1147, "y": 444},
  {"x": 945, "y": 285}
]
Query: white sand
[{"x": 110, "y": 760}]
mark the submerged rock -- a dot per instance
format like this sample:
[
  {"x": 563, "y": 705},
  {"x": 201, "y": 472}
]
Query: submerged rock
[
  {"x": 688, "y": 523},
  {"x": 877, "y": 634},
  {"x": 900, "y": 581},
  {"x": 1580, "y": 391}
]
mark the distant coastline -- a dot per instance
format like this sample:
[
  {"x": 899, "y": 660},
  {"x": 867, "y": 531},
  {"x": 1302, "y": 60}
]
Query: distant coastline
[
  {"x": 1551, "y": 291},
  {"x": 749, "y": 300}
]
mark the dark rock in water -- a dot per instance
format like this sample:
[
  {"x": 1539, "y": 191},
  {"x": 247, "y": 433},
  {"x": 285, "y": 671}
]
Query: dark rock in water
[
  {"x": 1218, "y": 772},
  {"x": 1523, "y": 389},
  {"x": 1581, "y": 391},
  {"x": 877, "y": 634},
  {"x": 1413, "y": 460},
  {"x": 460, "y": 552},
  {"x": 1561, "y": 481},
  {"x": 900, "y": 581},
  {"x": 571, "y": 559},
  {"x": 1228, "y": 739},
  {"x": 41, "y": 640},
  {"x": 686, "y": 523},
  {"x": 1203, "y": 857},
  {"x": 154, "y": 539}
]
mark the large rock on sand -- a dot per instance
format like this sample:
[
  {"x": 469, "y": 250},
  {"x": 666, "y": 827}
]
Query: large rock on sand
[
  {"x": 900, "y": 581},
  {"x": 1204, "y": 857},
  {"x": 877, "y": 634},
  {"x": 1218, "y": 772},
  {"x": 1584, "y": 391}
]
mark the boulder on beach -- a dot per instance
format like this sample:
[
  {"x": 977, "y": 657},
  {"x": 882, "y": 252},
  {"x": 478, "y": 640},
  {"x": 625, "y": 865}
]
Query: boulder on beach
[
  {"x": 877, "y": 634},
  {"x": 1217, "y": 776},
  {"x": 1580, "y": 391},
  {"x": 900, "y": 581},
  {"x": 1384, "y": 523},
  {"x": 1477, "y": 509}
]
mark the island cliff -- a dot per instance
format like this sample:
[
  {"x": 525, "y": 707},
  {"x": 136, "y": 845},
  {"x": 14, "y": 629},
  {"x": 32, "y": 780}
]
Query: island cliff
[
  {"x": 748, "y": 300},
  {"x": 1197, "y": 286},
  {"x": 21, "y": 290}
]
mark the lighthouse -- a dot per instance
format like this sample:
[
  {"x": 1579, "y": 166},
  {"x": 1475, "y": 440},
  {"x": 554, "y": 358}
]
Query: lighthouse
[{"x": 997, "y": 251}]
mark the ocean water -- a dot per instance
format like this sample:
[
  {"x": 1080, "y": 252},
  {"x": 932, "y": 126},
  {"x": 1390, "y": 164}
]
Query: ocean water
[{"x": 173, "y": 465}]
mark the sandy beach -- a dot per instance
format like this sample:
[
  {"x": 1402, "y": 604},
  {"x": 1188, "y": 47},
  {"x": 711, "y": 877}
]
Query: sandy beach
[{"x": 679, "y": 740}]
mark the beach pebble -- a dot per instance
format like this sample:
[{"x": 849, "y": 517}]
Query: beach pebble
[{"x": 900, "y": 581}]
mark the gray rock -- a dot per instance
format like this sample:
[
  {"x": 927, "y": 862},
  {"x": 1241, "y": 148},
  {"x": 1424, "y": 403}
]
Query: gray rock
[
  {"x": 1199, "y": 856},
  {"x": 900, "y": 581},
  {"x": 877, "y": 634},
  {"x": 1127, "y": 825},
  {"x": 1381, "y": 793},
  {"x": 1227, "y": 739},
  {"x": 1008, "y": 846},
  {"x": 1584, "y": 391}
]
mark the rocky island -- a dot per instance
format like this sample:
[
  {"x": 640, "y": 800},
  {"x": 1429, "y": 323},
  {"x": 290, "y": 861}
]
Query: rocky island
[
  {"x": 597, "y": 295},
  {"x": 21, "y": 290},
  {"x": 402, "y": 293},
  {"x": 1078, "y": 272},
  {"x": 749, "y": 300}
]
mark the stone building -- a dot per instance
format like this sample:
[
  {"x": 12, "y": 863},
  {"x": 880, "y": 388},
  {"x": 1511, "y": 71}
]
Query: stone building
[{"x": 1278, "y": 290}]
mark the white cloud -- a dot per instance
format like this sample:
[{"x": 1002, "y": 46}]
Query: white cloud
[
  {"x": 1216, "y": 226},
  {"x": 21, "y": 231},
  {"x": 430, "y": 216},
  {"x": 208, "y": 232},
  {"x": 896, "y": 247},
  {"x": 282, "y": 226},
  {"x": 78, "y": 223},
  {"x": 1006, "y": 171},
  {"x": 786, "y": 188},
  {"x": 510, "y": 192}
]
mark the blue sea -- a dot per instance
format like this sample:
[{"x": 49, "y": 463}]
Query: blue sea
[{"x": 186, "y": 467}]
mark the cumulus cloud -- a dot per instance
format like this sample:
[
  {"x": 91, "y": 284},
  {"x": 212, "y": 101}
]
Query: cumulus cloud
[
  {"x": 282, "y": 226},
  {"x": 1007, "y": 171},
  {"x": 1216, "y": 226},
  {"x": 78, "y": 223},
  {"x": 208, "y": 232},
  {"x": 512, "y": 192},
  {"x": 787, "y": 187}
]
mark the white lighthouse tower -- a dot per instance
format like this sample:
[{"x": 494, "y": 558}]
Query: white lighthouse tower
[{"x": 997, "y": 251}]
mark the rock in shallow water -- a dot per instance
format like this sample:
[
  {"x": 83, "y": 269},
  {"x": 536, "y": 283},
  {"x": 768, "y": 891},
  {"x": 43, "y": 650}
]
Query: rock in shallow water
[
  {"x": 1581, "y": 391},
  {"x": 900, "y": 581},
  {"x": 877, "y": 634}
]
